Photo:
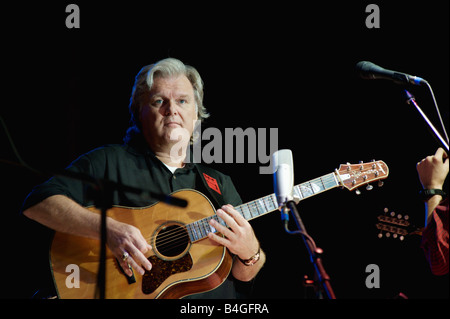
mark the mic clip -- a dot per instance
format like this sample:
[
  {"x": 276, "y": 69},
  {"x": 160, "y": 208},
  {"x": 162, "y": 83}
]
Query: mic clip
[
  {"x": 294, "y": 198},
  {"x": 285, "y": 210}
]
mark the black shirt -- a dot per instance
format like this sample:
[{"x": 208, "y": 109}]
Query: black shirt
[{"x": 134, "y": 164}]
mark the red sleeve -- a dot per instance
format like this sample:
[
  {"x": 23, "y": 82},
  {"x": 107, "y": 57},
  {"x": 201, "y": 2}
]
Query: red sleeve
[{"x": 435, "y": 239}]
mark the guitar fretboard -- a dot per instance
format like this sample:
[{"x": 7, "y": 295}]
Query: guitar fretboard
[{"x": 200, "y": 228}]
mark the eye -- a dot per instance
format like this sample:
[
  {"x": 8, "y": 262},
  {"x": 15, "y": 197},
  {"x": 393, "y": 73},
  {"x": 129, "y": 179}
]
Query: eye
[{"x": 157, "y": 102}]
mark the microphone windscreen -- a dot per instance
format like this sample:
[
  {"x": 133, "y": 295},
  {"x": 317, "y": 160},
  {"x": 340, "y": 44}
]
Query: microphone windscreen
[
  {"x": 365, "y": 68},
  {"x": 283, "y": 178}
]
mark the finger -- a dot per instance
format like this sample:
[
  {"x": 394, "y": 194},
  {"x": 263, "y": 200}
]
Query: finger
[
  {"x": 135, "y": 260},
  {"x": 123, "y": 262},
  {"x": 220, "y": 228},
  {"x": 240, "y": 220},
  {"x": 126, "y": 267},
  {"x": 446, "y": 163},
  {"x": 143, "y": 246},
  {"x": 227, "y": 218},
  {"x": 132, "y": 263},
  {"x": 219, "y": 239},
  {"x": 140, "y": 259},
  {"x": 128, "y": 264},
  {"x": 440, "y": 153}
]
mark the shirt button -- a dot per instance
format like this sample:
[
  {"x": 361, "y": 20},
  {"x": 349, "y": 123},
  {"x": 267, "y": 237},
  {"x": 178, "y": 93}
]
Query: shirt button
[{"x": 174, "y": 177}]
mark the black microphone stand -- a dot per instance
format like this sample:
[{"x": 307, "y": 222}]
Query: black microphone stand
[
  {"x": 102, "y": 192},
  {"x": 314, "y": 252}
]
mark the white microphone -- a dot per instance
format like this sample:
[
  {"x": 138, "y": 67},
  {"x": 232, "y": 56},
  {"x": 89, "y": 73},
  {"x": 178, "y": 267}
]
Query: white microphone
[{"x": 283, "y": 176}]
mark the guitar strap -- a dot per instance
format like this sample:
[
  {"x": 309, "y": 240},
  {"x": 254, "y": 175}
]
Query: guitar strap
[{"x": 211, "y": 182}]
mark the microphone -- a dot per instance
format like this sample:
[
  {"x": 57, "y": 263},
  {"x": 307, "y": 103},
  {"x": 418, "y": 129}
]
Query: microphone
[
  {"x": 369, "y": 71},
  {"x": 283, "y": 176}
]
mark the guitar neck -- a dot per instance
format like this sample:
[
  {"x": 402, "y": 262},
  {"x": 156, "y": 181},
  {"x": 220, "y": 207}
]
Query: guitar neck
[
  {"x": 251, "y": 210},
  {"x": 302, "y": 191}
]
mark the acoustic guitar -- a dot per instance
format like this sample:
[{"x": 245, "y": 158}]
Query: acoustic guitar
[{"x": 184, "y": 260}]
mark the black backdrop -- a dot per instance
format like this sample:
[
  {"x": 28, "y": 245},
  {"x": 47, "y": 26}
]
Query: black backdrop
[{"x": 290, "y": 67}]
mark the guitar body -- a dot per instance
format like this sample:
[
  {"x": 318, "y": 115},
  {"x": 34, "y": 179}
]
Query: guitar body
[{"x": 178, "y": 270}]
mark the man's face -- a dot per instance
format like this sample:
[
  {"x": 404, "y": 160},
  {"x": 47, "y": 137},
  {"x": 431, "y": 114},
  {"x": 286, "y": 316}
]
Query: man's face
[{"x": 169, "y": 112}]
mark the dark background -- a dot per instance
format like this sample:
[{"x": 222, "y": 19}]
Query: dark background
[{"x": 66, "y": 91}]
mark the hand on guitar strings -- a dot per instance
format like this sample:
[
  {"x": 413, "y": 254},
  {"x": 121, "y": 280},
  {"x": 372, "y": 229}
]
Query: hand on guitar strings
[
  {"x": 239, "y": 237},
  {"x": 129, "y": 247}
]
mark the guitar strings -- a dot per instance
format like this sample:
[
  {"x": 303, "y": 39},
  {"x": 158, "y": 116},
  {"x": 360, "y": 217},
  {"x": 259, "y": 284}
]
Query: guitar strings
[
  {"x": 173, "y": 237},
  {"x": 202, "y": 226},
  {"x": 178, "y": 236}
]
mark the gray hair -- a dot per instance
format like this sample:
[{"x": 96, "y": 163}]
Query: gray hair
[{"x": 144, "y": 81}]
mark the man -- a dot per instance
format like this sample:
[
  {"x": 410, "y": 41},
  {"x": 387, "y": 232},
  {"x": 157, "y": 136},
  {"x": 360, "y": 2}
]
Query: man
[
  {"x": 166, "y": 102},
  {"x": 432, "y": 172}
]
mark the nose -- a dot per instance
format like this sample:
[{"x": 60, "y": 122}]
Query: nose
[{"x": 171, "y": 108}]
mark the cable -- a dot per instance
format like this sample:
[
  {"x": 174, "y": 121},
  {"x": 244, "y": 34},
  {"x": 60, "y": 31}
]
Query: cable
[
  {"x": 285, "y": 218},
  {"x": 16, "y": 153},
  {"x": 437, "y": 110}
]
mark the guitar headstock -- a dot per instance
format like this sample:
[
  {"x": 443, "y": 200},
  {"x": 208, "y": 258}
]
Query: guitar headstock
[
  {"x": 353, "y": 176},
  {"x": 395, "y": 225}
]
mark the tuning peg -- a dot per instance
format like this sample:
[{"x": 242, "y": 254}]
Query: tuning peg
[
  {"x": 369, "y": 187},
  {"x": 380, "y": 183},
  {"x": 357, "y": 192}
]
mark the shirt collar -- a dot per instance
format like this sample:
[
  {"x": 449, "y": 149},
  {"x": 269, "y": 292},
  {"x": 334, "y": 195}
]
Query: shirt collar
[{"x": 138, "y": 146}]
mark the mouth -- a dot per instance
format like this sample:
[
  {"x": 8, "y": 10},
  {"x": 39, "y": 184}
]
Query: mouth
[{"x": 172, "y": 124}]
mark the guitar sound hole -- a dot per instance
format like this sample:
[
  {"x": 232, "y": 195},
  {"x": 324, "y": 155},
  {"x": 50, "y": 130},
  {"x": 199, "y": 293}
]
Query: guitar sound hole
[{"x": 172, "y": 240}]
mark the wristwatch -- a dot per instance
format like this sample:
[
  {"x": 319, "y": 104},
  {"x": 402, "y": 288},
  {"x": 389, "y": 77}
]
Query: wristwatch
[
  {"x": 427, "y": 193},
  {"x": 252, "y": 260}
]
